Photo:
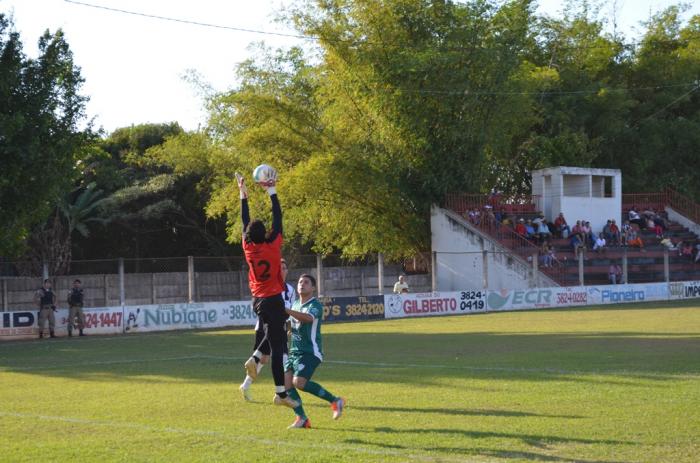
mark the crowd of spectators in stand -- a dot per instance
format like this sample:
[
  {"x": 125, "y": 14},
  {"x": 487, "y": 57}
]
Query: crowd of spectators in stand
[{"x": 581, "y": 236}]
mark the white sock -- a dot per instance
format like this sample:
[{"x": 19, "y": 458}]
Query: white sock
[{"x": 247, "y": 382}]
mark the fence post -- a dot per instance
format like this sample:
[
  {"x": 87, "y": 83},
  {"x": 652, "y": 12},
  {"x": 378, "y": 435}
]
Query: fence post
[
  {"x": 624, "y": 266},
  {"x": 190, "y": 279},
  {"x": 433, "y": 271},
  {"x": 106, "y": 285},
  {"x": 485, "y": 266},
  {"x": 44, "y": 271},
  {"x": 319, "y": 274},
  {"x": 362, "y": 281},
  {"x": 667, "y": 270},
  {"x": 535, "y": 271},
  {"x": 581, "y": 256},
  {"x": 240, "y": 281},
  {"x": 122, "y": 293},
  {"x": 153, "y": 288},
  {"x": 380, "y": 273}
]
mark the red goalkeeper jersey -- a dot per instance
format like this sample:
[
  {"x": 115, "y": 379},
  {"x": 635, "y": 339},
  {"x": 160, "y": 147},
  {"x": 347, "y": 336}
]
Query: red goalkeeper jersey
[{"x": 264, "y": 264}]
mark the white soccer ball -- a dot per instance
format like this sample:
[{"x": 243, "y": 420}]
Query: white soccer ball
[{"x": 265, "y": 175}]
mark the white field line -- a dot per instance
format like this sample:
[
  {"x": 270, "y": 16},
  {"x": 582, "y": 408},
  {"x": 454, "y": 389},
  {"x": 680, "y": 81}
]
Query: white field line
[
  {"x": 479, "y": 368},
  {"x": 218, "y": 435},
  {"x": 77, "y": 364}
]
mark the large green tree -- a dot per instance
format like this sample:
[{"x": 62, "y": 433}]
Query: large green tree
[
  {"x": 40, "y": 140},
  {"x": 403, "y": 103}
]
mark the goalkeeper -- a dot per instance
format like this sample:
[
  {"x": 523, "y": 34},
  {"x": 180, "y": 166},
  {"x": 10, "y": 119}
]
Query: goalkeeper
[{"x": 263, "y": 253}]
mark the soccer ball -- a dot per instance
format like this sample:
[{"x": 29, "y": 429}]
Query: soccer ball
[{"x": 264, "y": 175}]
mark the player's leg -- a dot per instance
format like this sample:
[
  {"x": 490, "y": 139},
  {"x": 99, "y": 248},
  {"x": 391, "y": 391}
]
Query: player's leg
[
  {"x": 251, "y": 365},
  {"x": 274, "y": 318},
  {"x": 260, "y": 356},
  {"x": 301, "y": 421},
  {"x": 302, "y": 380}
]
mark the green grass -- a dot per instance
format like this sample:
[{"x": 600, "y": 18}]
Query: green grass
[{"x": 588, "y": 385}]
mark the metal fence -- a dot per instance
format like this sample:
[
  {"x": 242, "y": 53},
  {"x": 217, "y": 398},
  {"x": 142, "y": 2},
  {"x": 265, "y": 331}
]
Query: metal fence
[
  {"x": 114, "y": 282},
  {"x": 497, "y": 269}
]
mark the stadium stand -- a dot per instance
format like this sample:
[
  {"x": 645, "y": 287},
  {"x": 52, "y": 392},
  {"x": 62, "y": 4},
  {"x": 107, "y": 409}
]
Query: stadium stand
[{"x": 643, "y": 265}]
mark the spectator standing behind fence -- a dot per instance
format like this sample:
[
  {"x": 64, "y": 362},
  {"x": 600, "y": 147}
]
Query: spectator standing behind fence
[
  {"x": 615, "y": 274},
  {"x": 75, "y": 308},
  {"x": 46, "y": 301},
  {"x": 401, "y": 286}
]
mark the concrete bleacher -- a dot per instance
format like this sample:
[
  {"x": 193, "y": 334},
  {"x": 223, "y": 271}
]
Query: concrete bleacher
[
  {"x": 642, "y": 265},
  {"x": 645, "y": 265}
]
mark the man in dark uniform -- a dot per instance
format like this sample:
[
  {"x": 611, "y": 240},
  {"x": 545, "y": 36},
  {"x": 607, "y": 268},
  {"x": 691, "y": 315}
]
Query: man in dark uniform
[
  {"x": 75, "y": 308},
  {"x": 46, "y": 300},
  {"x": 263, "y": 252}
]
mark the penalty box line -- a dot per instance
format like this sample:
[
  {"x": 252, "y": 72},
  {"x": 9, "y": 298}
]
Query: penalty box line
[{"x": 228, "y": 436}]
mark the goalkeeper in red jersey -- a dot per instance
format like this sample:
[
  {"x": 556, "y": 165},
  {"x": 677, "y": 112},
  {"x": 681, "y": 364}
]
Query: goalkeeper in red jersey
[{"x": 263, "y": 253}]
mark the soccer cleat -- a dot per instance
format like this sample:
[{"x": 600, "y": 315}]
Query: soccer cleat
[
  {"x": 287, "y": 401},
  {"x": 245, "y": 391},
  {"x": 251, "y": 368},
  {"x": 300, "y": 423},
  {"x": 338, "y": 407}
]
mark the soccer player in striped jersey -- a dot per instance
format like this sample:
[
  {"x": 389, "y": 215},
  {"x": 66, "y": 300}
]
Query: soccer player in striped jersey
[
  {"x": 263, "y": 252},
  {"x": 261, "y": 348},
  {"x": 306, "y": 352}
]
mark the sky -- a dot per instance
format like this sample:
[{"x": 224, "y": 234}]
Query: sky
[{"x": 134, "y": 66}]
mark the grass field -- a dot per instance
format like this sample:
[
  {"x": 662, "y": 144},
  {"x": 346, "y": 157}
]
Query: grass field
[{"x": 615, "y": 384}]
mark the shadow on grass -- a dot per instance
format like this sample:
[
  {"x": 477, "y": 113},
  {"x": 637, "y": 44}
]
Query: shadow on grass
[
  {"x": 481, "y": 451},
  {"x": 625, "y": 358},
  {"x": 461, "y": 412},
  {"x": 531, "y": 439}
]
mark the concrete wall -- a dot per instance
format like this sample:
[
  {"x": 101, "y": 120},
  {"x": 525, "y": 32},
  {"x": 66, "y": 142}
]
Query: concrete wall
[
  {"x": 164, "y": 288},
  {"x": 579, "y": 193},
  {"x": 683, "y": 220},
  {"x": 459, "y": 252}
]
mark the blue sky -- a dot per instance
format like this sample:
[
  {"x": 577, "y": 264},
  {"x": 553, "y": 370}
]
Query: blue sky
[{"x": 134, "y": 65}]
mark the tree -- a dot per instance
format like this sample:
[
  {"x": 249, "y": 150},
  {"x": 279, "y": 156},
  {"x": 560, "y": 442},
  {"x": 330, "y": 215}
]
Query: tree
[
  {"x": 52, "y": 242},
  {"x": 151, "y": 209},
  {"x": 40, "y": 142},
  {"x": 403, "y": 106}
]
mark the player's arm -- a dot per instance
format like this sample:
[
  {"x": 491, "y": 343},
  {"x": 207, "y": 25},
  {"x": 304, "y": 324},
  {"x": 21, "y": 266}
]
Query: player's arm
[
  {"x": 300, "y": 316},
  {"x": 276, "y": 213},
  {"x": 243, "y": 192}
]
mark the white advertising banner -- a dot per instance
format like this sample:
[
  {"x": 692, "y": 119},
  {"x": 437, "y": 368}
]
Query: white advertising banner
[
  {"x": 164, "y": 317},
  {"x": 536, "y": 298},
  {"x": 25, "y": 324},
  {"x": 684, "y": 290},
  {"x": 622, "y": 294},
  {"x": 430, "y": 304}
]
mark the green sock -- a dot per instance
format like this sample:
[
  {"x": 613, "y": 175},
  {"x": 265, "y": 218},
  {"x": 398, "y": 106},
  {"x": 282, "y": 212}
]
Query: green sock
[
  {"x": 299, "y": 411},
  {"x": 317, "y": 390}
]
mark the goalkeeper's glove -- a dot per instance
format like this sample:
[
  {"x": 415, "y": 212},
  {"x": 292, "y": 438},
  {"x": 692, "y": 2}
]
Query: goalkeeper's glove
[
  {"x": 270, "y": 184},
  {"x": 242, "y": 189}
]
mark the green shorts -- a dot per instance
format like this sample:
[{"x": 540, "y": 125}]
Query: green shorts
[{"x": 302, "y": 365}]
